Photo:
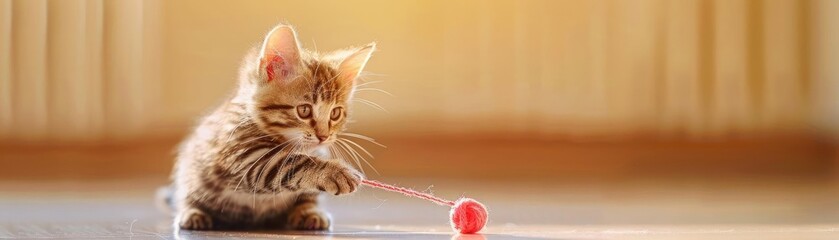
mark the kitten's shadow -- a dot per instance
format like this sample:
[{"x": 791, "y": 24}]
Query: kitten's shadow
[{"x": 350, "y": 233}]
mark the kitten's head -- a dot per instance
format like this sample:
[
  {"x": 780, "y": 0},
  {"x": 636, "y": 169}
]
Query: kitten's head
[{"x": 303, "y": 96}]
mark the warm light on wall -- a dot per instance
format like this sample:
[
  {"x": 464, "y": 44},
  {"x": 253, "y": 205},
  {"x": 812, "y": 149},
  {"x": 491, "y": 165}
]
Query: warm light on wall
[{"x": 81, "y": 69}]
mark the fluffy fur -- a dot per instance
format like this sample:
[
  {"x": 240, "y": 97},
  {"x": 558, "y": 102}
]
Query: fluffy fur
[{"x": 261, "y": 159}]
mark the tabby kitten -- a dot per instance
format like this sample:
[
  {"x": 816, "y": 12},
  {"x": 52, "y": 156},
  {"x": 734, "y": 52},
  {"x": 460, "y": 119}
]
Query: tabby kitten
[{"x": 259, "y": 160}]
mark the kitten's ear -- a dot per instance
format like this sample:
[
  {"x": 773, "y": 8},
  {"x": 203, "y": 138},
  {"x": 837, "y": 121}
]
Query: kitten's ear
[
  {"x": 280, "y": 53},
  {"x": 352, "y": 66}
]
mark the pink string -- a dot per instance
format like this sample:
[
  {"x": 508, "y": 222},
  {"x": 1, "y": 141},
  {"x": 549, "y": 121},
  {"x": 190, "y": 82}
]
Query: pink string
[{"x": 407, "y": 191}]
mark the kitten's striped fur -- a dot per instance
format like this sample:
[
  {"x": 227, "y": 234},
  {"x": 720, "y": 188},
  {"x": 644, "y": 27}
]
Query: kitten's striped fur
[{"x": 258, "y": 159}]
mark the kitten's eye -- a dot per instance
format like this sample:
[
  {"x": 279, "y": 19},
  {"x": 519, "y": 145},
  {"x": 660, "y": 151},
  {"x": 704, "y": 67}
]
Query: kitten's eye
[
  {"x": 336, "y": 114},
  {"x": 304, "y": 111}
]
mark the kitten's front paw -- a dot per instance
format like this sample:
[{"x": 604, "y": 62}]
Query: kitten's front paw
[
  {"x": 308, "y": 217},
  {"x": 339, "y": 179},
  {"x": 194, "y": 219}
]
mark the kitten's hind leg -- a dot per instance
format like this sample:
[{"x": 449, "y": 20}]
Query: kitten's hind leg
[
  {"x": 194, "y": 219},
  {"x": 306, "y": 215}
]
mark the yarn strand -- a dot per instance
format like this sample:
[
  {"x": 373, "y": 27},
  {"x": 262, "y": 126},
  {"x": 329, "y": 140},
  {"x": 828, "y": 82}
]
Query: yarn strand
[
  {"x": 466, "y": 216},
  {"x": 408, "y": 192}
]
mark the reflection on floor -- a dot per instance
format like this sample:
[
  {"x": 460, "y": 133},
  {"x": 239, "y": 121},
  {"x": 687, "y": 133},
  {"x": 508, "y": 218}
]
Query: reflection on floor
[{"x": 524, "y": 210}]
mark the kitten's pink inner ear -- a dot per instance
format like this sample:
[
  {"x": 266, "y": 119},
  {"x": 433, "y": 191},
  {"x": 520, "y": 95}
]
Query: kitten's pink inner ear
[
  {"x": 272, "y": 64},
  {"x": 280, "y": 53}
]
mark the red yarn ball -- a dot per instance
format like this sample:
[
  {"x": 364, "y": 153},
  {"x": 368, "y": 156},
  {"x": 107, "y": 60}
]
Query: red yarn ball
[{"x": 468, "y": 216}]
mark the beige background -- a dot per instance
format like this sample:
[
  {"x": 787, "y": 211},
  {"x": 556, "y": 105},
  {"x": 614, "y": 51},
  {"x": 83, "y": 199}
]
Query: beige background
[
  {"x": 88, "y": 69},
  {"x": 705, "y": 67},
  {"x": 575, "y": 90}
]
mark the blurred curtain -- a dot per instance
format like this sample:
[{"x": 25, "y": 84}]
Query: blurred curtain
[
  {"x": 698, "y": 67},
  {"x": 76, "y": 69}
]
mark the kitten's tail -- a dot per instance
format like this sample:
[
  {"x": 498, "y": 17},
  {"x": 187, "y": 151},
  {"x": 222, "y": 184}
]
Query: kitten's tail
[{"x": 163, "y": 199}]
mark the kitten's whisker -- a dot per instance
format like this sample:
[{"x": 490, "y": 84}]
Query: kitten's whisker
[
  {"x": 332, "y": 153},
  {"x": 367, "y": 83},
  {"x": 330, "y": 80},
  {"x": 278, "y": 145},
  {"x": 337, "y": 154},
  {"x": 352, "y": 157},
  {"x": 347, "y": 141},
  {"x": 261, "y": 137},
  {"x": 374, "y": 74},
  {"x": 359, "y": 147},
  {"x": 358, "y": 135},
  {"x": 344, "y": 158},
  {"x": 236, "y": 128},
  {"x": 294, "y": 148},
  {"x": 370, "y": 103},
  {"x": 278, "y": 180},
  {"x": 373, "y": 89},
  {"x": 297, "y": 147},
  {"x": 257, "y": 180},
  {"x": 354, "y": 86},
  {"x": 361, "y": 157},
  {"x": 362, "y": 137},
  {"x": 250, "y": 168},
  {"x": 342, "y": 88}
]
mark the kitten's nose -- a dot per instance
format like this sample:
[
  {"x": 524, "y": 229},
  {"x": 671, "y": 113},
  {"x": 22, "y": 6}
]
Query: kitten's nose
[{"x": 322, "y": 138}]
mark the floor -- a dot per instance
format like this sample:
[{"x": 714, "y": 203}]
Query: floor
[{"x": 652, "y": 209}]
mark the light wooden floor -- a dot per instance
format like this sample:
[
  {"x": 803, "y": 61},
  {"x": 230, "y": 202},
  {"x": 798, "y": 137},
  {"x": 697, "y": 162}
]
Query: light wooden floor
[{"x": 652, "y": 209}]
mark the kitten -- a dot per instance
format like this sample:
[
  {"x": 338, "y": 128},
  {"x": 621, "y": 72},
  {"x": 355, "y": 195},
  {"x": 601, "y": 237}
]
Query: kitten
[{"x": 258, "y": 160}]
